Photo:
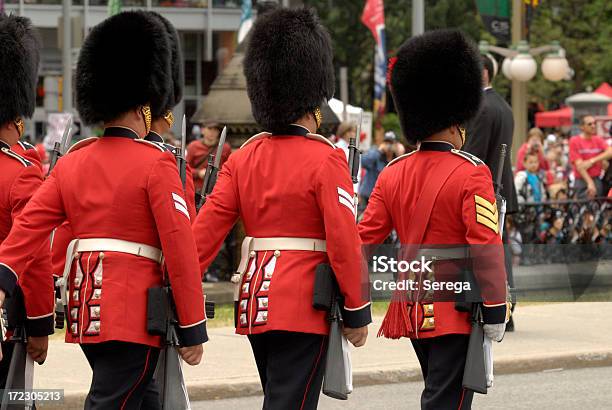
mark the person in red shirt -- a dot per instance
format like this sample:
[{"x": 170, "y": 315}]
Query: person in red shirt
[
  {"x": 124, "y": 201},
  {"x": 535, "y": 137},
  {"x": 587, "y": 152},
  {"x": 439, "y": 196},
  {"x": 292, "y": 190},
  {"x": 198, "y": 151},
  {"x": 20, "y": 178}
]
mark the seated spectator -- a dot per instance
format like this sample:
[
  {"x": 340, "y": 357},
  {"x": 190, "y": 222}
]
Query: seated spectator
[
  {"x": 587, "y": 155},
  {"x": 375, "y": 160},
  {"x": 515, "y": 240},
  {"x": 535, "y": 138},
  {"x": 346, "y": 131},
  {"x": 529, "y": 182},
  {"x": 558, "y": 171},
  {"x": 558, "y": 192}
]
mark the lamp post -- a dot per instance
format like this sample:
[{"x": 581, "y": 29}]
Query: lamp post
[{"x": 520, "y": 67}]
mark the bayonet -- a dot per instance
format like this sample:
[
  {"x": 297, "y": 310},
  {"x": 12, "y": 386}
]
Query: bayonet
[
  {"x": 60, "y": 147},
  {"x": 179, "y": 153},
  {"x": 212, "y": 168},
  {"x": 354, "y": 154}
]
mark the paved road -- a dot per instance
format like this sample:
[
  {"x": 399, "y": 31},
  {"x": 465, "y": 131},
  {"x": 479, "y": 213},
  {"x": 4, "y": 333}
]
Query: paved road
[{"x": 589, "y": 389}]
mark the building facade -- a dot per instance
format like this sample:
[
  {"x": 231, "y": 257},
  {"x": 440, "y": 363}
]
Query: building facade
[{"x": 207, "y": 29}]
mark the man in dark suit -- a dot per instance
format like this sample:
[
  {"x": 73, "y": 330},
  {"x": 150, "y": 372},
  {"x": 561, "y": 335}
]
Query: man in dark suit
[{"x": 492, "y": 127}]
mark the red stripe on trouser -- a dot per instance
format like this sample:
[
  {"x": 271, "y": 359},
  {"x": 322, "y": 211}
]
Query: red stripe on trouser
[
  {"x": 314, "y": 370},
  {"x": 144, "y": 371},
  {"x": 462, "y": 396}
]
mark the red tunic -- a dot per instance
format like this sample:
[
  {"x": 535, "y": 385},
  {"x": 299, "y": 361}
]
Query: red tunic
[
  {"x": 456, "y": 219},
  {"x": 287, "y": 186},
  {"x": 124, "y": 188},
  {"x": 29, "y": 152},
  {"x": 19, "y": 180}
]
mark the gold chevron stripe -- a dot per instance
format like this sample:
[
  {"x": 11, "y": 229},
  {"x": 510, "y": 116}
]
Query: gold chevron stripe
[
  {"x": 487, "y": 222},
  {"x": 483, "y": 202},
  {"x": 493, "y": 216}
]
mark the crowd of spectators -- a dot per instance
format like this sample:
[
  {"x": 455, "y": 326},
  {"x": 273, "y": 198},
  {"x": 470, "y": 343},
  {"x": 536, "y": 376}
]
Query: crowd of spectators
[{"x": 559, "y": 166}]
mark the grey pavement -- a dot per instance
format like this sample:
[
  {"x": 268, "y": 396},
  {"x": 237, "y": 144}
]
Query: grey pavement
[
  {"x": 559, "y": 389},
  {"x": 548, "y": 336}
]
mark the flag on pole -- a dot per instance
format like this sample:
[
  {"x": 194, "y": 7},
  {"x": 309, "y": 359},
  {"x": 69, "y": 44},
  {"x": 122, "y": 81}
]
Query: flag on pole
[
  {"x": 373, "y": 17},
  {"x": 246, "y": 19},
  {"x": 114, "y": 7}
]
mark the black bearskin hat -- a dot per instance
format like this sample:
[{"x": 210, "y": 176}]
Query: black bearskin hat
[
  {"x": 436, "y": 82},
  {"x": 19, "y": 57},
  {"x": 288, "y": 67},
  {"x": 124, "y": 63},
  {"x": 178, "y": 74}
]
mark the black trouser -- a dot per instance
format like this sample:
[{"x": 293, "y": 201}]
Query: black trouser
[
  {"x": 122, "y": 375},
  {"x": 442, "y": 362},
  {"x": 5, "y": 363},
  {"x": 290, "y": 367}
]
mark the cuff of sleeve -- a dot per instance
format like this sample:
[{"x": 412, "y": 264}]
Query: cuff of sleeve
[
  {"x": 43, "y": 326},
  {"x": 193, "y": 335},
  {"x": 8, "y": 279},
  {"x": 357, "y": 318},
  {"x": 494, "y": 314}
]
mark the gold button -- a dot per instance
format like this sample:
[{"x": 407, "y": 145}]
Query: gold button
[
  {"x": 277, "y": 253},
  {"x": 252, "y": 254}
]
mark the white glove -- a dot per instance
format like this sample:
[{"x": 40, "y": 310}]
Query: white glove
[{"x": 495, "y": 332}]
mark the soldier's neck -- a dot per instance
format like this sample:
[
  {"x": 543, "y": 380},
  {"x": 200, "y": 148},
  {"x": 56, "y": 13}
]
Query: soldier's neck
[
  {"x": 8, "y": 136},
  {"x": 446, "y": 137},
  {"x": 131, "y": 121},
  {"x": 307, "y": 122}
]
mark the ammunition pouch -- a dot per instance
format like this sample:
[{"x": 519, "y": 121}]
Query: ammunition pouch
[
  {"x": 15, "y": 309},
  {"x": 324, "y": 289},
  {"x": 158, "y": 310}
]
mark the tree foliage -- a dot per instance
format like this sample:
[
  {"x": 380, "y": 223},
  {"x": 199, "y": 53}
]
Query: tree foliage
[{"x": 583, "y": 27}]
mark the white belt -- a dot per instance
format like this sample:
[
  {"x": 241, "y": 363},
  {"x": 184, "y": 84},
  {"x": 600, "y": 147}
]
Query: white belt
[
  {"x": 77, "y": 246},
  {"x": 251, "y": 245}
]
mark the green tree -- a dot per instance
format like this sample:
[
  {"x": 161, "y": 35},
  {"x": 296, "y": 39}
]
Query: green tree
[
  {"x": 584, "y": 29},
  {"x": 354, "y": 44}
]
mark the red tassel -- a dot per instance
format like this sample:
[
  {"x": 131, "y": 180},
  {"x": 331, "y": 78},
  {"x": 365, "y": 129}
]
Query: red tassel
[{"x": 396, "y": 323}]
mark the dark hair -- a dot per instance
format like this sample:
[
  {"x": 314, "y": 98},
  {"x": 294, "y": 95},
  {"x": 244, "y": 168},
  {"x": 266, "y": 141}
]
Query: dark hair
[
  {"x": 530, "y": 153},
  {"x": 487, "y": 64},
  {"x": 583, "y": 118}
]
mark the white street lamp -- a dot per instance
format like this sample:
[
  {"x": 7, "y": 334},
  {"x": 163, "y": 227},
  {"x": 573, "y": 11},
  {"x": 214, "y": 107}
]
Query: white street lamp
[
  {"x": 520, "y": 65},
  {"x": 506, "y": 65},
  {"x": 523, "y": 67},
  {"x": 555, "y": 66}
]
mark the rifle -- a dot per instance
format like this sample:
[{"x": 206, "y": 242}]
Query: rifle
[
  {"x": 210, "y": 176},
  {"x": 354, "y": 153},
  {"x": 21, "y": 368},
  {"x": 338, "y": 376},
  {"x": 179, "y": 153},
  {"x": 161, "y": 320},
  {"x": 60, "y": 147},
  {"x": 478, "y": 371}
]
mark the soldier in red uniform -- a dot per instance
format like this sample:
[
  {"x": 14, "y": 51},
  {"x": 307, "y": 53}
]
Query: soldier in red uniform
[
  {"x": 124, "y": 201},
  {"x": 293, "y": 192},
  {"x": 20, "y": 177},
  {"x": 439, "y": 195},
  {"x": 163, "y": 123}
]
